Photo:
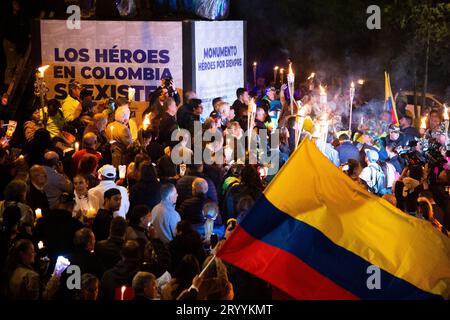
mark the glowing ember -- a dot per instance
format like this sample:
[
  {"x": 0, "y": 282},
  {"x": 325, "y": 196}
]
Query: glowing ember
[{"x": 423, "y": 123}]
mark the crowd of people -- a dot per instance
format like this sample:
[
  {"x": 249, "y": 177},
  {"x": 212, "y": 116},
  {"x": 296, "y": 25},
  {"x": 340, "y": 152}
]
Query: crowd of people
[{"x": 118, "y": 207}]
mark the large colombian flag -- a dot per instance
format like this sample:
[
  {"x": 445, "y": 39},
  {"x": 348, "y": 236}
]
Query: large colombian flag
[
  {"x": 314, "y": 234},
  {"x": 389, "y": 101}
]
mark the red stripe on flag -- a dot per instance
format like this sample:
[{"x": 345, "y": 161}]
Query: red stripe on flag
[{"x": 281, "y": 269}]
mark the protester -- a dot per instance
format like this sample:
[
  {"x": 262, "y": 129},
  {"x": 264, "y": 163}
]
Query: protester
[
  {"x": 102, "y": 222},
  {"x": 108, "y": 250}
]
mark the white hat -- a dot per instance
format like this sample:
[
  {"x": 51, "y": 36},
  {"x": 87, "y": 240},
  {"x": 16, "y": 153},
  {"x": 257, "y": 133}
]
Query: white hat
[
  {"x": 108, "y": 171},
  {"x": 122, "y": 113}
]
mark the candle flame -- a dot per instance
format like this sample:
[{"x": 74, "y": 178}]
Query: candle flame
[
  {"x": 446, "y": 112},
  {"x": 352, "y": 85},
  {"x": 123, "y": 289},
  {"x": 290, "y": 68},
  {"x": 255, "y": 64},
  {"x": 282, "y": 70},
  {"x": 361, "y": 82},
  {"x": 423, "y": 123},
  {"x": 276, "y": 68},
  {"x": 40, "y": 245}
]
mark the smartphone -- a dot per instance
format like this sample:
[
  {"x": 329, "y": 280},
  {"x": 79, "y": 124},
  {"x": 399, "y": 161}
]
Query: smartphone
[{"x": 61, "y": 264}]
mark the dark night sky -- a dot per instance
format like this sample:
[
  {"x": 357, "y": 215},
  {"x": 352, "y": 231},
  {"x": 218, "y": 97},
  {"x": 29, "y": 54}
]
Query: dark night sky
[{"x": 330, "y": 37}]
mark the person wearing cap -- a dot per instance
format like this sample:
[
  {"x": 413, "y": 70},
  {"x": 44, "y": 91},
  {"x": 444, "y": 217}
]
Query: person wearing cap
[
  {"x": 118, "y": 132},
  {"x": 71, "y": 106},
  {"x": 107, "y": 175},
  {"x": 267, "y": 99},
  {"x": 394, "y": 138},
  {"x": 371, "y": 174}
]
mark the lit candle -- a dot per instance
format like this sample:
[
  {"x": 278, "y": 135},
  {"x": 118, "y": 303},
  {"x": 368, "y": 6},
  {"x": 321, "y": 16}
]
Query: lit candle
[
  {"x": 77, "y": 146},
  {"x": 282, "y": 75},
  {"x": 38, "y": 213},
  {"x": 275, "y": 72},
  {"x": 122, "y": 292},
  {"x": 91, "y": 212},
  {"x": 352, "y": 96},
  {"x": 131, "y": 93},
  {"x": 361, "y": 82},
  {"x": 40, "y": 245},
  {"x": 122, "y": 171}
]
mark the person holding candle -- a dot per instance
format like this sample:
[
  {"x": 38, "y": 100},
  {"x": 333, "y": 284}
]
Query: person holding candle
[
  {"x": 82, "y": 205},
  {"x": 57, "y": 181},
  {"x": 118, "y": 132},
  {"x": 108, "y": 250},
  {"x": 89, "y": 147},
  {"x": 37, "y": 197}
]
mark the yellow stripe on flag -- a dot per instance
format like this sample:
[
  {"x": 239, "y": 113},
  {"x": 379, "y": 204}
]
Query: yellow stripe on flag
[{"x": 314, "y": 191}]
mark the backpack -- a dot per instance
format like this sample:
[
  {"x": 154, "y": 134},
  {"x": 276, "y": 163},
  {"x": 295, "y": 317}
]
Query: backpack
[{"x": 379, "y": 187}]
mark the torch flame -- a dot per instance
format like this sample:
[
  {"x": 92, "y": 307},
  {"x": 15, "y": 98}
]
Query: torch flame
[
  {"x": 43, "y": 68},
  {"x": 322, "y": 89},
  {"x": 276, "y": 68},
  {"x": 446, "y": 118},
  {"x": 146, "y": 122},
  {"x": 423, "y": 123},
  {"x": 290, "y": 68},
  {"x": 311, "y": 76},
  {"x": 361, "y": 82}
]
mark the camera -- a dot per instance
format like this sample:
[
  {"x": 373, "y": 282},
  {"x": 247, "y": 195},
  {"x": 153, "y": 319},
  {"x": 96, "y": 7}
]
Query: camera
[{"x": 168, "y": 84}]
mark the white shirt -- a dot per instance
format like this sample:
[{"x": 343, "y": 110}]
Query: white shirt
[{"x": 96, "y": 197}]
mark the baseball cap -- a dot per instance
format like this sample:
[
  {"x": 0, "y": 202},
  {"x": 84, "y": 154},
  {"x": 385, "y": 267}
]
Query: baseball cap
[
  {"x": 372, "y": 155},
  {"x": 108, "y": 171},
  {"x": 395, "y": 128}
]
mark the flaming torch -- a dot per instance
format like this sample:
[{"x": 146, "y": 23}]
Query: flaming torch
[
  {"x": 311, "y": 81},
  {"x": 423, "y": 125},
  {"x": 282, "y": 75},
  {"x": 40, "y": 89},
  {"x": 146, "y": 122},
  {"x": 275, "y": 72},
  {"x": 254, "y": 72},
  {"x": 250, "y": 123},
  {"x": 352, "y": 96},
  {"x": 291, "y": 80}
]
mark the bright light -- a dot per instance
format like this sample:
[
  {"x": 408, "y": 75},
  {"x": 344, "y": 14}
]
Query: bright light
[
  {"x": 290, "y": 68},
  {"x": 311, "y": 76},
  {"x": 361, "y": 82},
  {"x": 255, "y": 64},
  {"x": 276, "y": 68},
  {"x": 423, "y": 123},
  {"x": 446, "y": 112},
  {"x": 322, "y": 90},
  {"x": 43, "y": 68},
  {"x": 352, "y": 85}
]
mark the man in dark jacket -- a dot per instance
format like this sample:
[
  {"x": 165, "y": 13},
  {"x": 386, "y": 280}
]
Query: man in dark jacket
[
  {"x": 184, "y": 185},
  {"x": 168, "y": 123},
  {"x": 347, "y": 150},
  {"x": 102, "y": 221},
  {"x": 123, "y": 272},
  {"x": 241, "y": 103},
  {"x": 192, "y": 209},
  {"x": 36, "y": 197},
  {"x": 108, "y": 251}
]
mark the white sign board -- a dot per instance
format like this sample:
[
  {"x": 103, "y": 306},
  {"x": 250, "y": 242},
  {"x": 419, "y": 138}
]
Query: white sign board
[{"x": 219, "y": 60}]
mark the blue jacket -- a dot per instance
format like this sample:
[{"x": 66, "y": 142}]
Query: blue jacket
[{"x": 347, "y": 150}]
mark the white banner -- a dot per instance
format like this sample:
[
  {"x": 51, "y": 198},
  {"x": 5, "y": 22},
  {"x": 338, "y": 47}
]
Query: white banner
[
  {"x": 110, "y": 56},
  {"x": 219, "y": 60}
]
